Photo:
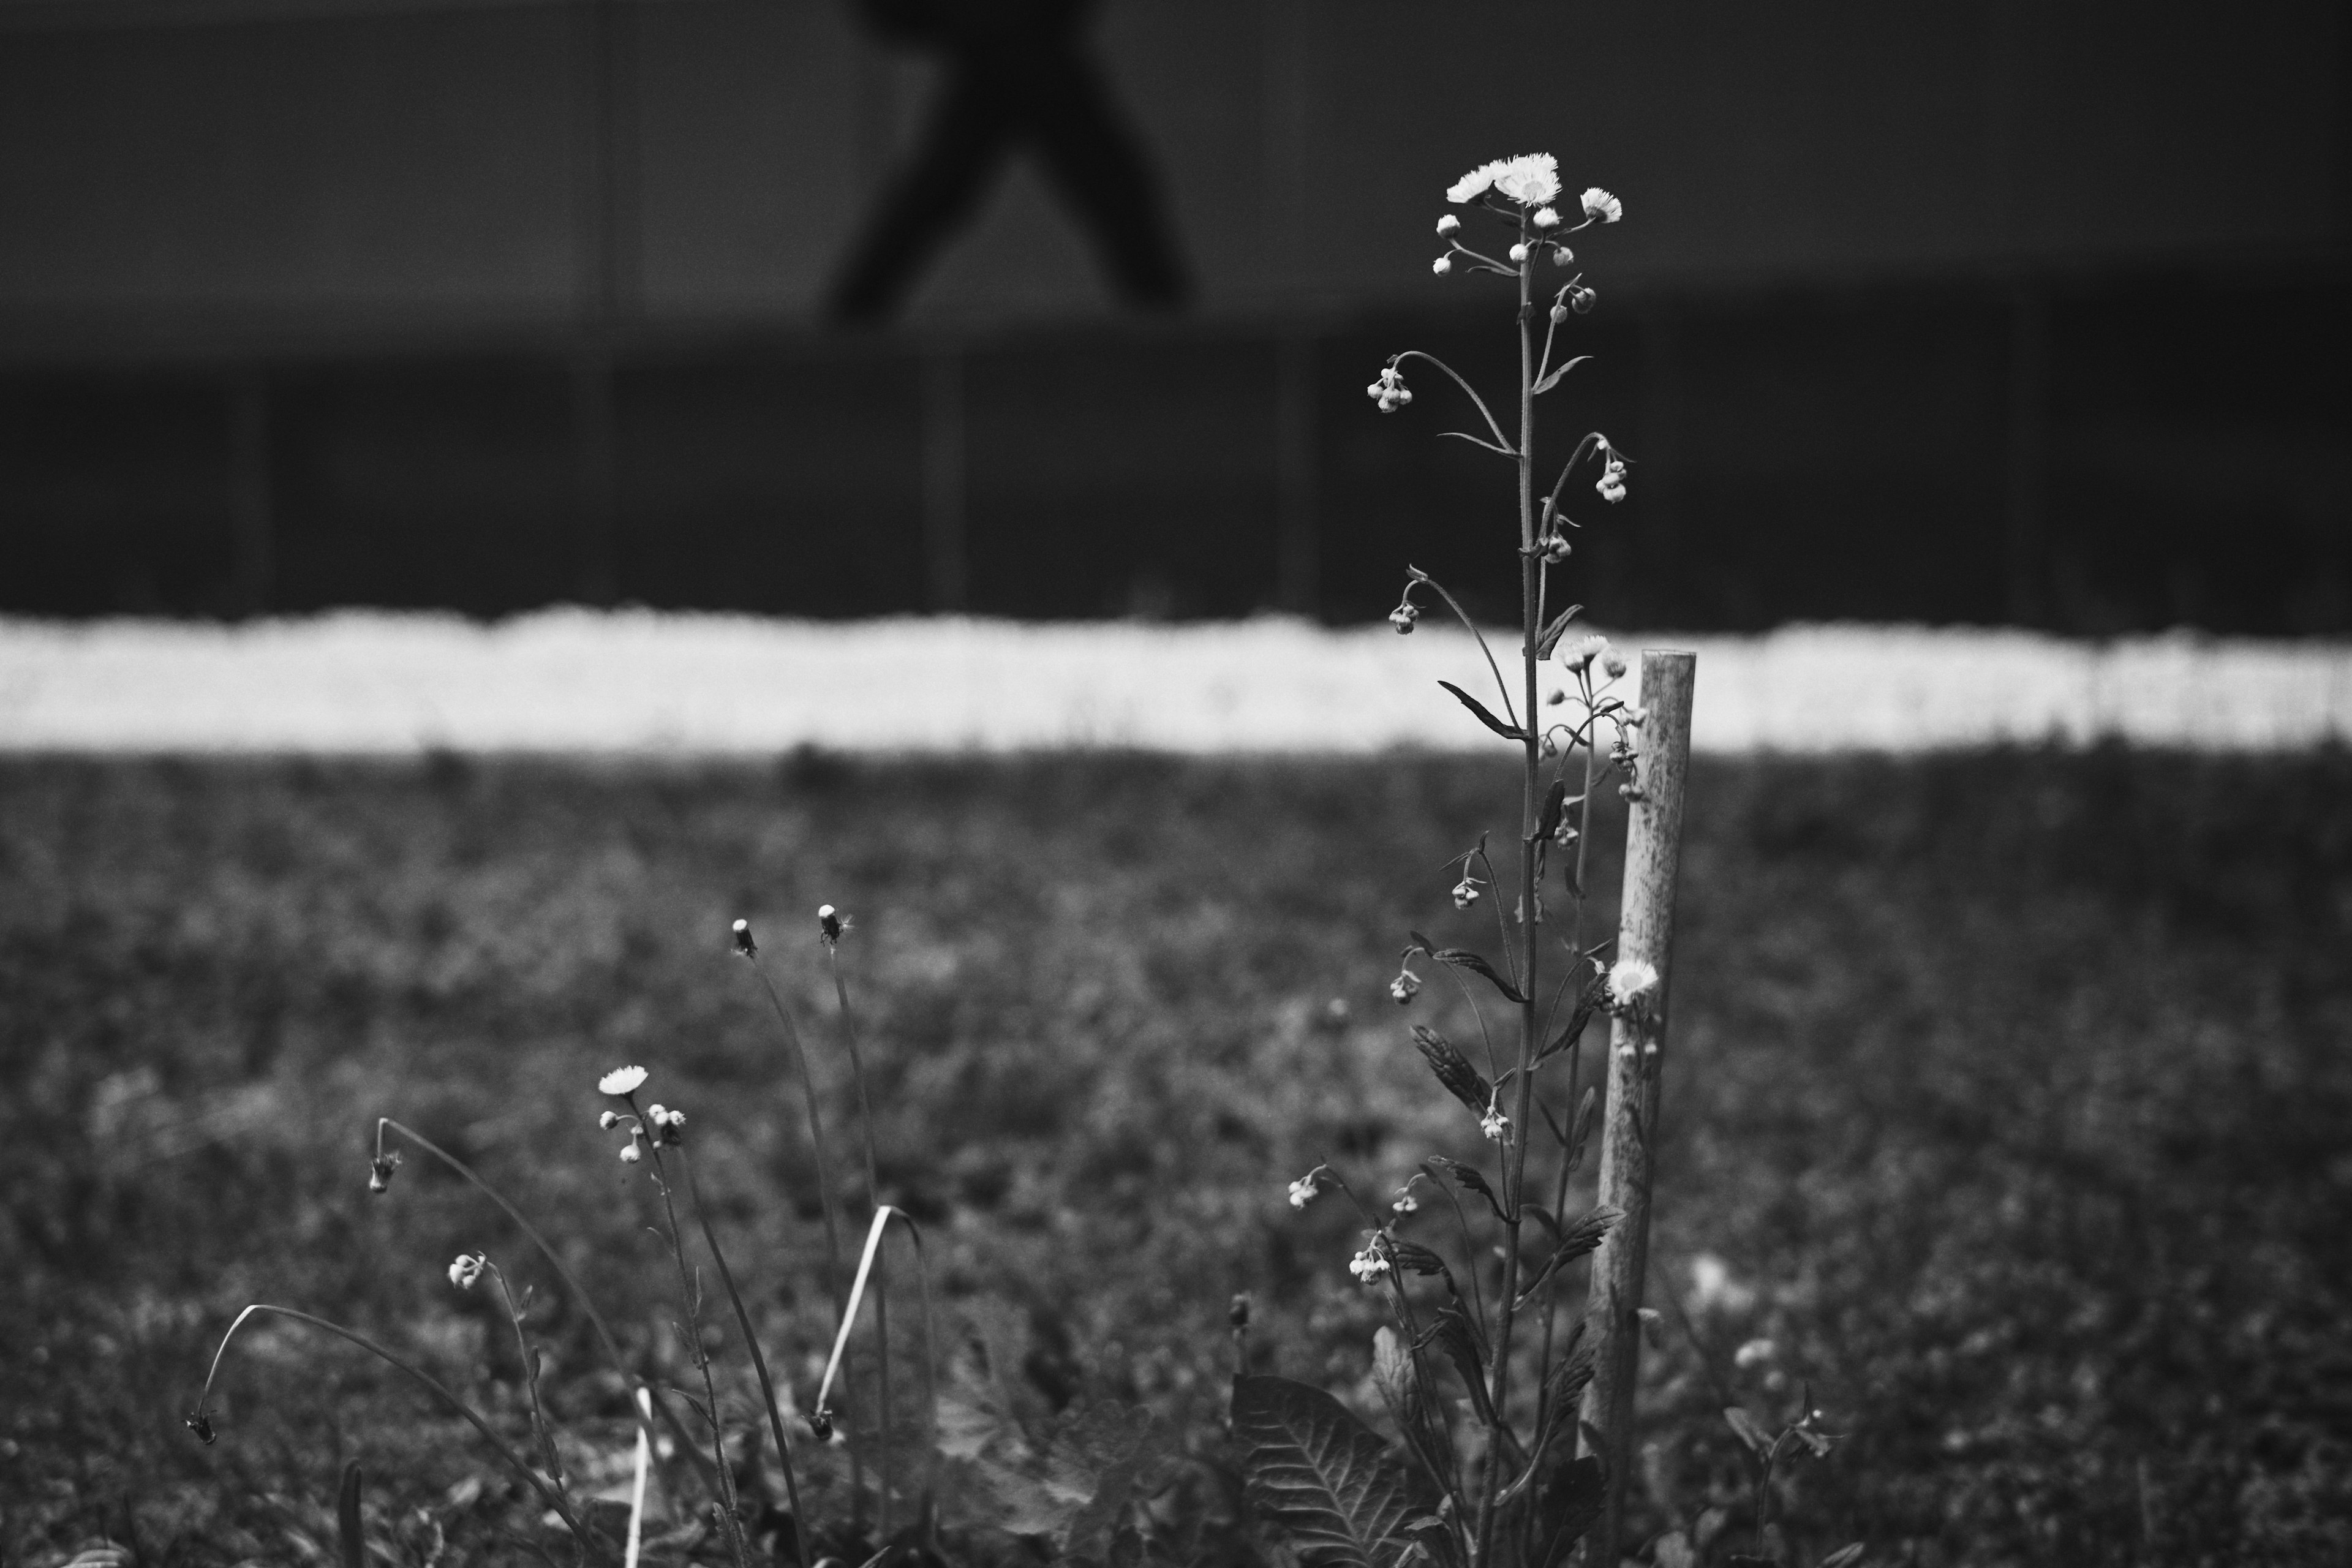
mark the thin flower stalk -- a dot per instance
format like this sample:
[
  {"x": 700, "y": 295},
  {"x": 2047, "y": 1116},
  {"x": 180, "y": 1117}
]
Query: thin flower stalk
[
  {"x": 529, "y": 1375},
  {"x": 751, "y": 1341},
  {"x": 656, "y": 1135},
  {"x": 200, "y": 1422},
  {"x": 830, "y": 926},
  {"x": 388, "y": 1160}
]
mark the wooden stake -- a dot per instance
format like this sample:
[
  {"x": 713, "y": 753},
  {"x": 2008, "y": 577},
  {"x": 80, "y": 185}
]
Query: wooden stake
[{"x": 1637, "y": 1042}]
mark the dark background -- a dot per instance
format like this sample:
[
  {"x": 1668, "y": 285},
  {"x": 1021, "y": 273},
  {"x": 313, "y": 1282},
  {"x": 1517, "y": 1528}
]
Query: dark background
[{"x": 1993, "y": 312}]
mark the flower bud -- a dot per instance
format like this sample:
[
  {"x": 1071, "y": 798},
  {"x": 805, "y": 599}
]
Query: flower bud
[
  {"x": 1614, "y": 664},
  {"x": 1558, "y": 314},
  {"x": 1402, "y": 618},
  {"x": 608, "y": 1121},
  {"x": 828, "y": 923},
  {"x": 1518, "y": 252},
  {"x": 1580, "y": 300},
  {"x": 1546, "y": 217},
  {"x": 1441, "y": 265},
  {"x": 1561, "y": 255},
  {"x": 629, "y": 1156},
  {"x": 743, "y": 942},
  {"x": 1449, "y": 224}
]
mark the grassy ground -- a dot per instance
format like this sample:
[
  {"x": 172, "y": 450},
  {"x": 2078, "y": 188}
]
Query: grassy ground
[{"x": 2009, "y": 1100}]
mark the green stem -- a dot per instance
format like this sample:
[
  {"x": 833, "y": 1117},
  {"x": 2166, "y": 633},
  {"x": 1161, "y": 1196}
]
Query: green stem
[
  {"x": 874, "y": 1198},
  {"x": 751, "y": 1342},
  {"x": 571, "y": 1281},
  {"x": 690, "y": 1298},
  {"x": 530, "y": 1379},
  {"x": 554, "y": 1500},
  {"x": 1515, "y": 1152}
]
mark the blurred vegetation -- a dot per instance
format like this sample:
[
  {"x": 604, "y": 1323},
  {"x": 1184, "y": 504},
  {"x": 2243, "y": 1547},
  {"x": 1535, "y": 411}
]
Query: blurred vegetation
[{"x": 2008, "y": 1100}]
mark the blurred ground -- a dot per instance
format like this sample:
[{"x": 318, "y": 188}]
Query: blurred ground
[
  {"x": 2008, "y": 1102},
  {"x": 642, "y": 682}
]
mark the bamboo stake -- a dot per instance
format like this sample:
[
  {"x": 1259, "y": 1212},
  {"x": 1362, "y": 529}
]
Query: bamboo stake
[{"x": 1637, "y": 1039}]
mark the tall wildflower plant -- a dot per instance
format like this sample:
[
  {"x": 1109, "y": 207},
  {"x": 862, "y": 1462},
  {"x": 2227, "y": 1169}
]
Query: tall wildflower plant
[{"x": 1503, "y": 1484}]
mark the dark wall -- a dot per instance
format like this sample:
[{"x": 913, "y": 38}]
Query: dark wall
[
  {"x": 2095, "y": 456},
  {"x": 1987, "y": 312}
]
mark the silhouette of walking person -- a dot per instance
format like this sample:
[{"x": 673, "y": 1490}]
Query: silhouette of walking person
[{"x": 1018, "y": 72}]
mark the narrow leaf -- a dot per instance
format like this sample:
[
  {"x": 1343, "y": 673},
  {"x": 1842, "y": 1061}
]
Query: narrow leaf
[
  {"x": 1469, "y": 1179},
  {"x": 1415, "y": 1259},
  {"x": 349, "y": 1539},
  {"x": 1463, "y": 1081},
  {"x": 1578, "y": 1239},
  {"x": 1479, "y": 441},
  {"x": 1319, "y": 1475},
  {"x": 1463, "y": 958},
  {"x": 1588, "y": 1001},
  {"x": 1548, "y": 381},
  {"x": 1508, "y": 731},
  {"x": 1451, "y": 1333},
  {"x": 1744, "y": 1425},
  {"x": 1844, "y": 1556},
  {"x": 1550, "y": 638},
  {"x": 1555, "y": 801}
]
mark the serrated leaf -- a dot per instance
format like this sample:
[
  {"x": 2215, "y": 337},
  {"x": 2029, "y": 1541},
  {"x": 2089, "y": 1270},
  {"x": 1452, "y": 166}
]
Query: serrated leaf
[
  {"x": 350, "y": 1539},
  {"x": 1508, "y": 731},
  {"x": 1575, "y": 1242},
  {"x": 1471, "y": 1180},
  {"x": 1463, "y": 958},
  {"x": 1588, "y": 1001},
  {"x": 1461, "y": 1081},
  {"x": 1550, "y": 638},
  {"x": 1319, "y": 1475},
  {"x": 1745, "y": 1425}
]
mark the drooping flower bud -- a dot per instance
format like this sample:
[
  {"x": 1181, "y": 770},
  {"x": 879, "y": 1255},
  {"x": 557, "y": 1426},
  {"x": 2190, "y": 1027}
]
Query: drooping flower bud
[
  {"x": 743, "y": 942},
  {"x": 1518, "y": 252},
  {"x": 1441, "y": 265}
]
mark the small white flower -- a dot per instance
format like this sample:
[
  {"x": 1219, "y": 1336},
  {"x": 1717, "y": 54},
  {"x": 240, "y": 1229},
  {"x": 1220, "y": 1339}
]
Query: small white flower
[
  {"x": 1531, "y": 179},
  {"x": 629, "y": 1156},
  {"x": 1465, "y": 893},
  {"x": 622, "y": 1081},
  {"x": 1546, "y": 217},
  {"x": 1304, "y": 1191},
  {"x": 1518, "y": 253},
  {"x": 1406, "y": 986},
  {"x": 1579, "y": 657},
  {"x": 1405, "y": 1202},
  {"x": 1599, "y": 204},
  {"x": 466, "y": 1270},
  {"x": 609, "y": 1119},
  {"x": 1474, "y": 184},
  {"x": 1449, "y": 224},
  {"x": 1402, "y": 619},
  {"x": 1390, "y": 391},
  {"x": 1368, "y": 1265},
  {"x": 1561, "y": 255},
  {"x": 1755, "y": 1352},
  {"x": 1614, "y": 663},
  {"x": 1494, "y": 1124},
  {"x": 1633, "y": 980},
  {"x": 657, "y": 1114},
  {"x": 1440, "y": 265}
]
